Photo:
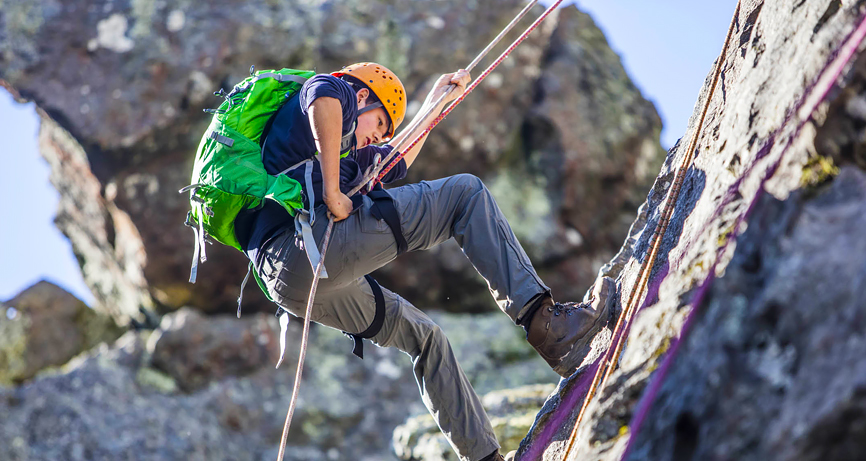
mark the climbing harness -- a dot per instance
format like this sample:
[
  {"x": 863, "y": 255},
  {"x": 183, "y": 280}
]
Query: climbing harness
[
  {"x": 611, "y": 355},
  {"x": 378, "y": 318},
  {"x": 383, "y": 209},
  {"x": 376, "y": 174}
]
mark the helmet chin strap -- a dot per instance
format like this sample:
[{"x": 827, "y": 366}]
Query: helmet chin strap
[{"x": 370, "y": 107}]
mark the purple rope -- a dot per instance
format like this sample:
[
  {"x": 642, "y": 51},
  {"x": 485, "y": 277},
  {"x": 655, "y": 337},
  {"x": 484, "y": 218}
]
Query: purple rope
[
  {"x": 563, "y": 411},
  {"x": 646, "y": 402}
]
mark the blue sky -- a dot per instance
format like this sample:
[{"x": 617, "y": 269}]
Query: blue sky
[{"x": 668, "y": 47}]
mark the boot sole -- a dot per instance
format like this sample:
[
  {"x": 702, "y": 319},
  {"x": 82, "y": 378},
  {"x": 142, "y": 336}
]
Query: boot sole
[{"x": 581, "y": 348}]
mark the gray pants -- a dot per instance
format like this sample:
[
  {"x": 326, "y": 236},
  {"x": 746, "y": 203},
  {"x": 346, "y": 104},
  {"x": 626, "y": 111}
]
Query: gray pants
[{"x": 430, "y": 213}]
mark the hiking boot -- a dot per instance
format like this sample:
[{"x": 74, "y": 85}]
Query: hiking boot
[{"x": 561, "y": 333}]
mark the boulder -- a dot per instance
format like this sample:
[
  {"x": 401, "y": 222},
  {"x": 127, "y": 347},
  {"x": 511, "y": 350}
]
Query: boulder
[
  {"x": 45, "y": 326},
  {"x": 144, "y": 397},
  {"x": 511, "y": 413},
  {"x": 196, "y": 350}
]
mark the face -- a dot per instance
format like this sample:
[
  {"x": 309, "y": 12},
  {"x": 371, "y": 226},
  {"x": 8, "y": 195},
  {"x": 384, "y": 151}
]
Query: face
[{"x": 373, "y": 125}]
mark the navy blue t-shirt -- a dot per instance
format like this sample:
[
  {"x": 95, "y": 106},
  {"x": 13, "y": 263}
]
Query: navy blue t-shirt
[{"x": 290, "y": 141}]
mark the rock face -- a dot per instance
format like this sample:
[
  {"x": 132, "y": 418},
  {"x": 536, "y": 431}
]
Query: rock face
[
  {"x": 45, "y": 326},
  {"x": 785, "y": 377},
  {"x": 762, "y": 262},
  {"x": 142, "y": 398},
  {"x": 558, "y": 132}
]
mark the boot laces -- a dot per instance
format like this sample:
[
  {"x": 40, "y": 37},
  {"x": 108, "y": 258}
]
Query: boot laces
[
  {"x": 569, "y": 307},
  {"x": 563, "y": 308}
]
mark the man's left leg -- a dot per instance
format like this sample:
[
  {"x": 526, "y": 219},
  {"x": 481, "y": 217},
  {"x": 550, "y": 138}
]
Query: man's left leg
[{"x": 462, "y": 207}]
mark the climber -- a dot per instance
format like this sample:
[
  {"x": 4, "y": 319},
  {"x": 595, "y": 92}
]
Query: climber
[{"x": 339, "y": 120}]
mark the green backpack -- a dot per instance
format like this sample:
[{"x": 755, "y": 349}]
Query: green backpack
[{"x": 228, "y": 175}]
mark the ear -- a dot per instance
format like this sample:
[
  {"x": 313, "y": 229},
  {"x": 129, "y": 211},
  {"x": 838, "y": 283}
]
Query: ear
[{"x": 362, "y": 95}]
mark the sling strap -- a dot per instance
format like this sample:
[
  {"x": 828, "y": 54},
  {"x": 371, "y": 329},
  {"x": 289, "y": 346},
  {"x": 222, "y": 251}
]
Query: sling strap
[
  {"x": 383, "y": 209},
  {"x": 378, "y": 319}
]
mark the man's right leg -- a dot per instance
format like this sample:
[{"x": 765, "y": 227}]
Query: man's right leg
[{"x": 432, "y": 212}]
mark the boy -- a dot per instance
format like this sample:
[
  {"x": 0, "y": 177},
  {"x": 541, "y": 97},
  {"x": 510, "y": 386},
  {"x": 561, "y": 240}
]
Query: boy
[{"x": 325, "y": 137}]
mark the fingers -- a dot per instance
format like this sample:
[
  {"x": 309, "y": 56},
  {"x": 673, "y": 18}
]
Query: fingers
[
  {"x": 461, "y": 78},
  {"x": 339, "y": 215},
  {"x": 454, "y": 85},
  {"x": 336, "y": 218},
  {"x": 339, "y": 207}
]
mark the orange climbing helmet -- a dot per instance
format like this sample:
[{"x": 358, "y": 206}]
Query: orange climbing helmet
[{"x": 385, "y": 85}]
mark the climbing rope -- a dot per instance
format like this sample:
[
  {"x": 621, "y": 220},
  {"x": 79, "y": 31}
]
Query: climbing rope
[
  {"x": 377, "y": 175},
  {"x": 611, "y": 356},
  {"x": 304, "y": 341},
  {"x": 806, "y": 107},
  {"x": 418, "y": 120}
]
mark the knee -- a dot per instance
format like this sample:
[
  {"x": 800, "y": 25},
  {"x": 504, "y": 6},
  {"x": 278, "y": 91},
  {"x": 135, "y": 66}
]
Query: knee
[
  {"x": 432, "y": 340},
  {"x": 470, "y": 182}
]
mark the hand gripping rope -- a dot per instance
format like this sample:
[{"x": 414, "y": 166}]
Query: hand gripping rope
[{"x": 376, "y": 175}]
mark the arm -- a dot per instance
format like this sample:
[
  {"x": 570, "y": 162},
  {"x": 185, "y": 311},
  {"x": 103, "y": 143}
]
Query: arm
[
  {"x": 460, "y": 78},
  {"x": 326, "y": 122}
]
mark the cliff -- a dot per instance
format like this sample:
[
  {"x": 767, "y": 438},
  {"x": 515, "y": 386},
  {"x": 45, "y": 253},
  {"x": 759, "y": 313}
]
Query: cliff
[{"x": 743, "y": 347}]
